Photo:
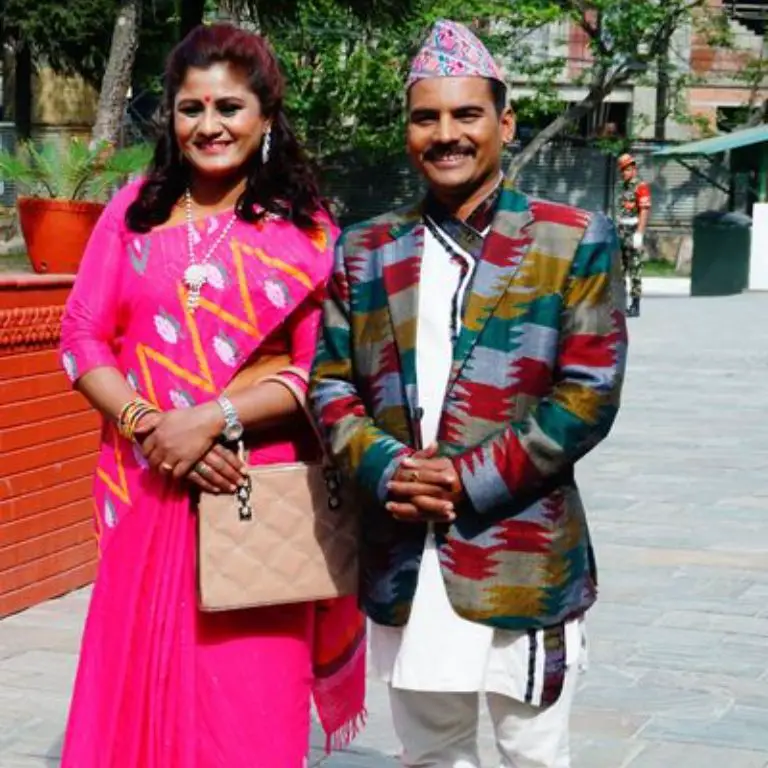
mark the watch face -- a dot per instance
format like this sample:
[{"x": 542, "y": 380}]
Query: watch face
[{"x": 233, "y": 432}]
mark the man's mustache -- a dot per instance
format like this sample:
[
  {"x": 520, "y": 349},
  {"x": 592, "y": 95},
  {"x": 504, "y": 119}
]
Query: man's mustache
[{"x": 439, "y": 151}]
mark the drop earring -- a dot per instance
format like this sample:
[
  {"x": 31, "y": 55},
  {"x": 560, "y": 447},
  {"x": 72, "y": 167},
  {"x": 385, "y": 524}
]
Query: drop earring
[{"x": 266, "y": 146}]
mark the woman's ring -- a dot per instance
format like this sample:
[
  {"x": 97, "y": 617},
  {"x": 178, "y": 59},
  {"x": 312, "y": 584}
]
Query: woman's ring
[
  {"x": 202, "y": 469},
  {"x": 414, "y": 477}
]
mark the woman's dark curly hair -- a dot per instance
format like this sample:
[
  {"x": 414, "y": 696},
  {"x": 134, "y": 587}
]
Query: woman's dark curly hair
[{"x": 285, "y": 186}]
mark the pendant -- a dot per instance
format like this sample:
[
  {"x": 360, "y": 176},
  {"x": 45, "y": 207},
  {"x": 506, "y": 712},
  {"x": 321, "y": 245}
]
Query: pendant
[
  {"x": 193, "y": 299},
  {"x": 195, "y": 277}
]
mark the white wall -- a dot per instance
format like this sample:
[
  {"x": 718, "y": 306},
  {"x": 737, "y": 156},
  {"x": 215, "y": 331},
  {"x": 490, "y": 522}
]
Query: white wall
[{"x": 758, "y": 260}]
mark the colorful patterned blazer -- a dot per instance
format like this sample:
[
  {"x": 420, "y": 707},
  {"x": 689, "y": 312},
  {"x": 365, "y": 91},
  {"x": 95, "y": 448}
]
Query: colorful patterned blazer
[{"x": 535, "y": 384}]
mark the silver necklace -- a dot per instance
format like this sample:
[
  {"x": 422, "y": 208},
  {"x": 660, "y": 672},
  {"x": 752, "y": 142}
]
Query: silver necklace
[{"x": 196, "y": 274}]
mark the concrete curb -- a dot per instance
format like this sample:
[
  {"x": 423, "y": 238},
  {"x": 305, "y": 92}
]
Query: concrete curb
[{"x": 666, "y": 286}]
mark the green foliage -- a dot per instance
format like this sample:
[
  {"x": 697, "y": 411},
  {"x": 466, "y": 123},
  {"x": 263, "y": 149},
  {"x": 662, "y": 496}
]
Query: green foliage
[
  {"x": 346, "y": 60},
  {"x": 346, "y": 72},
  {"x": 626, "y": 41},
  {"x": 754, "y": 73},
  {"x": 75, "y": 171},
  {"x": 343, "y": 84},
  {"x": 158, "y": 33},
  {"x": 267, "y": 13},
  {"x": 72, "y": 36},
  {"x": 624, "y": 37},
  {"x": 659, "y": 268}
]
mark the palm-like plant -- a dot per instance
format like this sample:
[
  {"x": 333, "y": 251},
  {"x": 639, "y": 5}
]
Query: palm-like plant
[{"x": 75, "y": 171}]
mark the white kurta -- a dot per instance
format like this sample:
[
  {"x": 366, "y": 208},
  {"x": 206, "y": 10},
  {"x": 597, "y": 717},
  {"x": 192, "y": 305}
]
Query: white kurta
[{"x": 438, "y": 650}]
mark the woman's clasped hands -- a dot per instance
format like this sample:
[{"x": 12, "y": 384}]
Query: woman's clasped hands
[{"x": 182, "y": 444}]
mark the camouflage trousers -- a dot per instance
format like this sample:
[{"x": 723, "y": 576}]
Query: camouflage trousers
[{"x": 632, "y": 263}]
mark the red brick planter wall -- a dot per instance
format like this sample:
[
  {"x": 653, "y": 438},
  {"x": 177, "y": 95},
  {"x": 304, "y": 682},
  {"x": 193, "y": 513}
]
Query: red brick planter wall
[{"x": 48, "y": 443}]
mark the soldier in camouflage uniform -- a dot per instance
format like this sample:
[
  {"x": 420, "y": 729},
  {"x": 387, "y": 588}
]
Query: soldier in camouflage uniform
[{"x": 633, "y": 212}]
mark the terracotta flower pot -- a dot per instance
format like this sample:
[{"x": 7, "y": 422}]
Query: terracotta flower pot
[{"x": 56, "y": 232}]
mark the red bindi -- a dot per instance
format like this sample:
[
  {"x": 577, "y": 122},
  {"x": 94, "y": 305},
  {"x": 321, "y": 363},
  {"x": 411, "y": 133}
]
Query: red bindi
[{"x": 207, "y": 99}]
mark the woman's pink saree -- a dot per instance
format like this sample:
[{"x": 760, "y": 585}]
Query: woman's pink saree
[{"x": 159, "y": 684}]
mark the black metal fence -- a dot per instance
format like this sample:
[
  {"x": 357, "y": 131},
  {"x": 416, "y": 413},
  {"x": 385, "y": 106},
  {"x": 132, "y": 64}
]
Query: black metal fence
[{"x": 577, "y": 174}]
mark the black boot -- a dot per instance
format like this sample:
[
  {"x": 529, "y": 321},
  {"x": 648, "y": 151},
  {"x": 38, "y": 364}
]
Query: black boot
[{"x": 634, "y": 308}]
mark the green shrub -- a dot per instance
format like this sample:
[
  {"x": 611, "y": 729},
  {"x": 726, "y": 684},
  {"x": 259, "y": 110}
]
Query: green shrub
[{"x": 71, "y": 171}]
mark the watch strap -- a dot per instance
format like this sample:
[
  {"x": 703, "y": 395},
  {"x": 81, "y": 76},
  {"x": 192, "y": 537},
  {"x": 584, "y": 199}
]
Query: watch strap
[{"x": 231, "y": 417}]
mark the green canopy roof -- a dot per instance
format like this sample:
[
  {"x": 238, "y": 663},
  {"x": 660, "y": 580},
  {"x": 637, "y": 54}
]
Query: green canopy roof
[{"x": 717, "y": 144}]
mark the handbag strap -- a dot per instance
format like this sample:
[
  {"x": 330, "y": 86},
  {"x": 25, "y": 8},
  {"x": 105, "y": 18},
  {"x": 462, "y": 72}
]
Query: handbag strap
[{"x": 300, "y": 397}]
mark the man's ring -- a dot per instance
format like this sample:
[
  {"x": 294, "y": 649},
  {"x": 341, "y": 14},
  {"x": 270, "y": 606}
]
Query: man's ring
[
  {"x": 202, "y": 469},
  {"x": 166, "y": 468}
]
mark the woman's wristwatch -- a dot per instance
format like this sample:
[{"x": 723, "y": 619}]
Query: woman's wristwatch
[{"x": 233, "y": 427}]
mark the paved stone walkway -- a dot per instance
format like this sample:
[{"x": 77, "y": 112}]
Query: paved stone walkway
[{"x": 678, "y": 499}]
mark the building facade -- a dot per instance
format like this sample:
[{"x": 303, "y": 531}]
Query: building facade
[{"x": 716, "y": 95}]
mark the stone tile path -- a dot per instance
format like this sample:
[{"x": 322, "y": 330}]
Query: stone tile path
[{"x": 678, "y": 499}]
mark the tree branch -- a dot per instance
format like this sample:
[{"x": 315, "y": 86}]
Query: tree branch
[
  {"x": 582, "y": 11},
  {"x": 667, "y": 28},
  {"x": 602, "y": 85}
]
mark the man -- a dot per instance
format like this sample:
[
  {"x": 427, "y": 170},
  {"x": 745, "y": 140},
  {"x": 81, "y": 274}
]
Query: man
[
  {"x": 473, "y": 349},
  {"x": 634, "y": 210}
]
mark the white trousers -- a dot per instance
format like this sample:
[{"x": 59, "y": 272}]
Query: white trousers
[{"x": 439, "y": 730}]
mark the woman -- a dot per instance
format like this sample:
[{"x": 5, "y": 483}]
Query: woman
[{"x": 217, "y": 257}]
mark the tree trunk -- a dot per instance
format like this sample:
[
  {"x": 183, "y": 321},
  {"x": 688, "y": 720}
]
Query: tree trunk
[
  {"x": 757, "y": 107},
  {"x": 117, "y": 78},
  {"x": 192, "y": 15},
  {"x": 662, "y": 87},
  {"x": 22, "y": 92},
  {"x": 575, "y": 112}
]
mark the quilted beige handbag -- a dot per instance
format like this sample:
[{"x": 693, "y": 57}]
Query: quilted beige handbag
[{"x": 290, "y": 536}]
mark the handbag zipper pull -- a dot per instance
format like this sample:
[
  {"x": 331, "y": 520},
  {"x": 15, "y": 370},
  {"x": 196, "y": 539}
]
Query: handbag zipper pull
[
  {"x": 243, "y": 493},
  {"x": 243, "y": 496}
]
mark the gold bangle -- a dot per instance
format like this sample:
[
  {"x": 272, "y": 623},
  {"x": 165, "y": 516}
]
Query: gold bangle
[{"x": 131, "y": 414}]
